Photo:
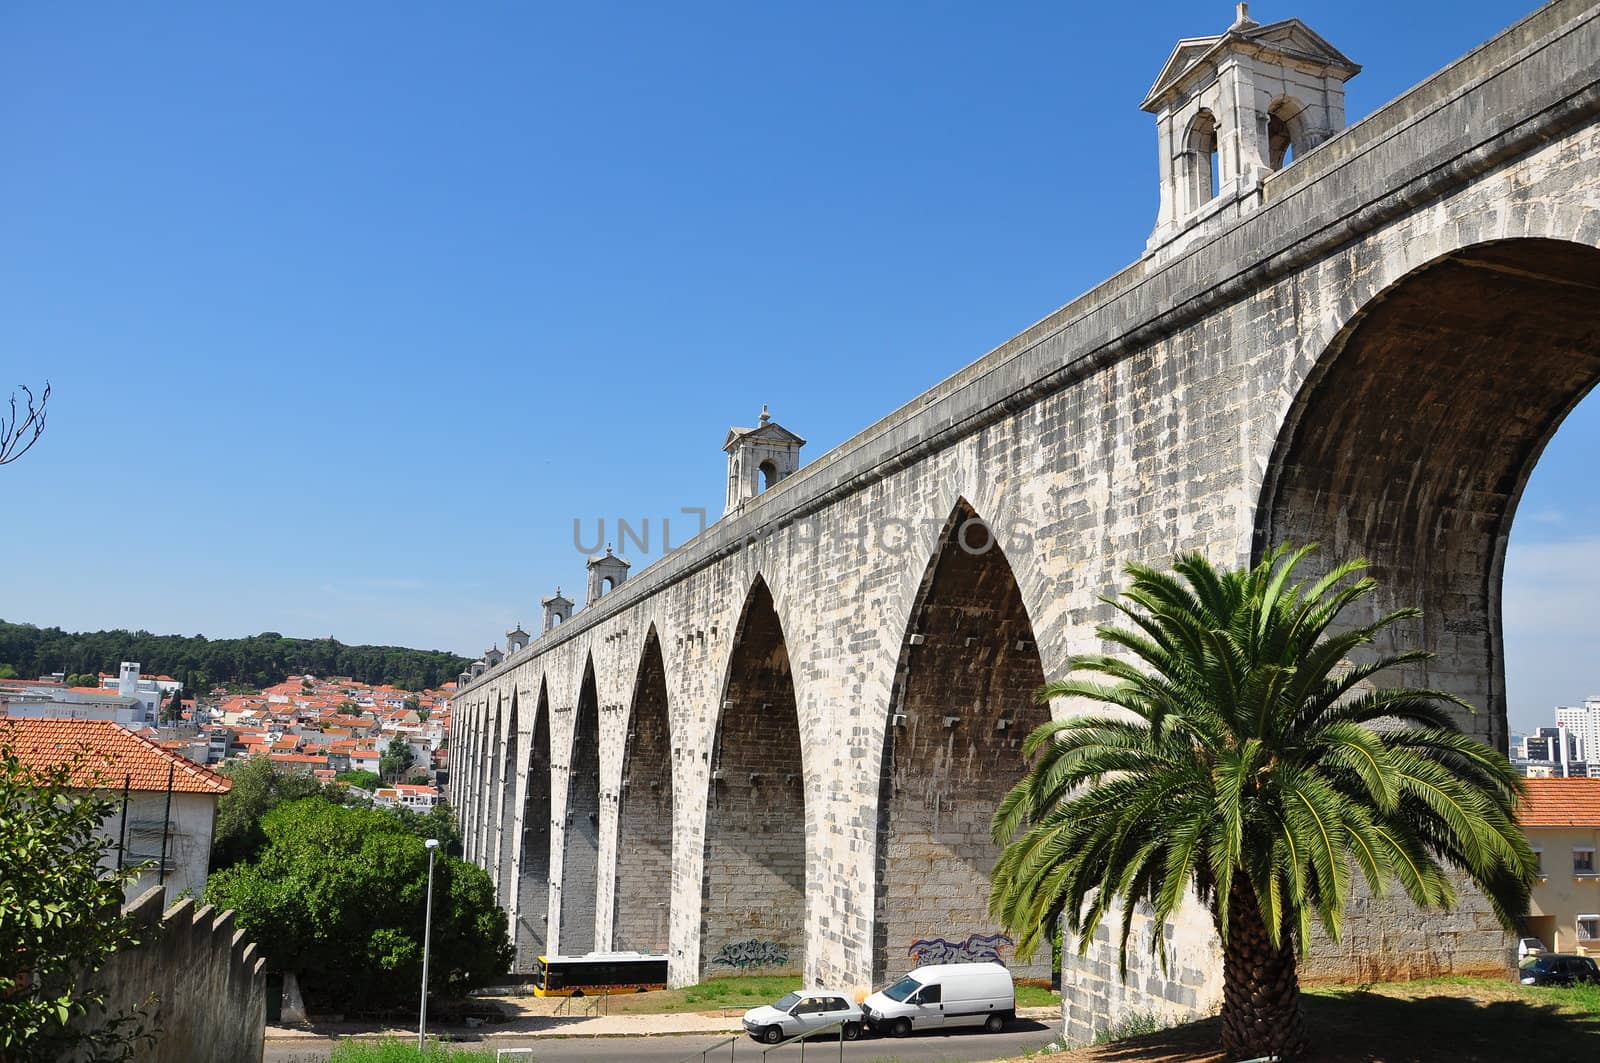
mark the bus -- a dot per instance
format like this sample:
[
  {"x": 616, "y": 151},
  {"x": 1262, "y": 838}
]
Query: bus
[{"x": 599, "y": 972}]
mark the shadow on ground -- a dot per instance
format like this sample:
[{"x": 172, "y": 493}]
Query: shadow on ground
[{"x": 1358, "y": 1027}]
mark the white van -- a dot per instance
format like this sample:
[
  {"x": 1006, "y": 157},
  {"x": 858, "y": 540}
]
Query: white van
[{"x": 944, "y": 995}]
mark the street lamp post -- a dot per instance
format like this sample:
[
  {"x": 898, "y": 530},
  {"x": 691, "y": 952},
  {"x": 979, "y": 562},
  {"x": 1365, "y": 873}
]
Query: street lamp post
[{"x": 432, "y": 845}]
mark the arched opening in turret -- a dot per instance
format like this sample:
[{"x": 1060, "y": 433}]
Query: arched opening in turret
[
  {"x": 963, "y": 701},
  {"x": 753, "y": 905},
  {"x": 533, "y": 883},
  {"x": 1200, "y": 160},
  {"x": 641, "y": 919},
  {"x": 1286, "y": 134},
  {"x": 769, "y": 474},
  {"x": 581, "y": 864}
]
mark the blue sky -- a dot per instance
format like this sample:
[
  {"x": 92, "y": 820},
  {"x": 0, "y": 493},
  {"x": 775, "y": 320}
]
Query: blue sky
[{"x": 351, "y": 309}]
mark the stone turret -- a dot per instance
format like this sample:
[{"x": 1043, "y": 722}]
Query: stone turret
[
  {"x": 516, "y": 639},
  {"x": 1232, "y": 108},
  {"x": 557, "y": 609},
  {"x": 606, "y": 573},
  {"x": 758, "y": 458}
]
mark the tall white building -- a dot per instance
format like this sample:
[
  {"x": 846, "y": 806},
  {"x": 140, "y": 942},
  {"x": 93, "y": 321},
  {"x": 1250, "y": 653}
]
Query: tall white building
[{"x": 1583, "y": 723}]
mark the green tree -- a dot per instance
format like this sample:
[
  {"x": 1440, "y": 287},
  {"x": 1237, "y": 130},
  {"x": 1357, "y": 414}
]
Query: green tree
[
  {"x": 82, "y": 679},
  {"x": 1255, "y": 761},
  {"x": 337, "y": 896},
  {"x": 173, "y": 713},
  {"x": 259, "y": 786},
  {"x": 438, "y": 822},
  {"x": 7, "y": 672},
  {"x": 59, "y": 921},
  {"x": 365, "y": 780},
  {"x": 395, "y": 759}
]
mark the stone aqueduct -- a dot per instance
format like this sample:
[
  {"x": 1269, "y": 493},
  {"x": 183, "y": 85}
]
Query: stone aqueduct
[{"x": 792, "y": 730}]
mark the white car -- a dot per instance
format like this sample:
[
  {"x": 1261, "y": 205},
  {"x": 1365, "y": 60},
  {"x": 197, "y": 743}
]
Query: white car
[{"x": 797, "y": 1013}]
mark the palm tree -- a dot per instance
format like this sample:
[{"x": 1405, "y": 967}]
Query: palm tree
[{"x": 1255, "y": 763}]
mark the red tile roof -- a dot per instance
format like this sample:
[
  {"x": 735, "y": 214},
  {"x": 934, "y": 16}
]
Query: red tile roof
[
  {"x": 1561, "y": 803},
  {"x": 112, "y": 753}
]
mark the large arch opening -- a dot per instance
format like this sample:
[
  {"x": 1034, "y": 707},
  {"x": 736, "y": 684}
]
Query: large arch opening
[
  {"x": 1411, "y": 442},
  {"x": 963, "y": 700},
  {"x": 533, "y": 884},
  {"x": 505, "y": 825},
  {"x": 643, "y": 892},
  {"x": 753, "y": 904},
  {"x": 488, "y": 789},
  {"x": 581, "y": 865}
]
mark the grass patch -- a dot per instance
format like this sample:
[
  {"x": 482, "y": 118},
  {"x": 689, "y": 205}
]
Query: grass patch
[
  {"x": 395, "y": 1050},
  {"x": 1033, "y": 996},
  {"x": 736, "y": 991}
]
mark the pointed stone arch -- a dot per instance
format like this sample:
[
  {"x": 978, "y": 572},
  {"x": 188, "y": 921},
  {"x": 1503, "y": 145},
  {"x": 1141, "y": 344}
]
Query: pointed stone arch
[
  {"x": 531, "y": 931},
  {"x": 1412, "y": 436},
  {"x": 753, "y": 901},
  {"x": 963, "y": 700},
  {"x": 642, "y": 898},
  {"x": 505, "y": 814},
  {"x": 580, "y": 863},
  {"x": 489, "y": 789}
]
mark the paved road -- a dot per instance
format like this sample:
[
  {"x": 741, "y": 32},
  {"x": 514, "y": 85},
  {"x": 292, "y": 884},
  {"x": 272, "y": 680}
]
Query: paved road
[{"x": 962, "y": 1047}]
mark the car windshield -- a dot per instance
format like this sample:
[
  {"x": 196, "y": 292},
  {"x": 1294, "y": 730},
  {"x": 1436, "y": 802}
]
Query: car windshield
[
  {"x": 1538, "y": 963},
  {"x": 787, "y": 1001},
  {"x": 902, "y": 989}
]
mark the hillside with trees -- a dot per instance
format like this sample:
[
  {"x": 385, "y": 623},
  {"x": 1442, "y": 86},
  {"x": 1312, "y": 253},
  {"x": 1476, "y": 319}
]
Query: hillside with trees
[{"x": 200, "y": 663}]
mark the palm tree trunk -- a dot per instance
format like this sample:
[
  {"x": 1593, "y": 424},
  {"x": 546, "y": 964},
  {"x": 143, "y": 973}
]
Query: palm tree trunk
[{"x": 1261, "y": 991}]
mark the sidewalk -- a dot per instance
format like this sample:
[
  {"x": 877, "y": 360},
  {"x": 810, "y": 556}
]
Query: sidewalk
[{"x": 527, "y": 1025}]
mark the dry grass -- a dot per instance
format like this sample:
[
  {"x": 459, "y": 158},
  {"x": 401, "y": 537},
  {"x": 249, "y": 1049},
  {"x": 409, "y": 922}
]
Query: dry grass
[{"x": 1457, "y": 1020}]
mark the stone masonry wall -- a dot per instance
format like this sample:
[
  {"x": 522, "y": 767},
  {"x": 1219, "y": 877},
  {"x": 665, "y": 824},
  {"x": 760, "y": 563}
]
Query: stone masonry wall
[{"x": 200, "y": 980}]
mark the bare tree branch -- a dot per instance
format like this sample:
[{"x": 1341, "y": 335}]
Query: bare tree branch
[{"x": 18, "y": 433}]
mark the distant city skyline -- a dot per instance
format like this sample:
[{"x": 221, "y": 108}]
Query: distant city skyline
[{"x": 352, "y": 312}]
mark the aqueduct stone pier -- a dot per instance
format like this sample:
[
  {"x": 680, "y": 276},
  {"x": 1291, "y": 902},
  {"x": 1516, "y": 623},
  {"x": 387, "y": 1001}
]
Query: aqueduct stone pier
[{"x": 780, "y": 744}]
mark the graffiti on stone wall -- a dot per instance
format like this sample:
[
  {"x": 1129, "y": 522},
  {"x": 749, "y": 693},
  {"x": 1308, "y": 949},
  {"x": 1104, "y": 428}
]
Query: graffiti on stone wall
[
  {"x": 978, "y": 948},
  {"x": 751, "y": 953}
]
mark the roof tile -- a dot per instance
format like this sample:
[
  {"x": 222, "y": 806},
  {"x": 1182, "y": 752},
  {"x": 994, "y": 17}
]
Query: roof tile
[
  {"x": 113, "y": 753},
  {"x": 1561, "y": 803}
]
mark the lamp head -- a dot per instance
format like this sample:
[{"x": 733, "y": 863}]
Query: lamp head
[{"x": 431, "y": 843}]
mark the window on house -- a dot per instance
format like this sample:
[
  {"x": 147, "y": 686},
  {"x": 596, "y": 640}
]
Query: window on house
[
  {"x": 1589, "y": 928},
  {"x": 1583, "y": 861},
  {"x": 1538, "y": 862}
]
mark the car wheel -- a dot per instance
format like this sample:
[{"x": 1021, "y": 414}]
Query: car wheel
[
  {"x": 773, "y": 1035},
  {"x": 852, "y": 1030},
  {"x": 902, "y": 1028},
  {"x": 995, "y": 1023}
]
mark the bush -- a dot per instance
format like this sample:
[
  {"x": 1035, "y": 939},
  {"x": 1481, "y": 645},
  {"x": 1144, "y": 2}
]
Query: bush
[
  {"x": 59, "y": 920},
  {"x": 337, "y": 896}
]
